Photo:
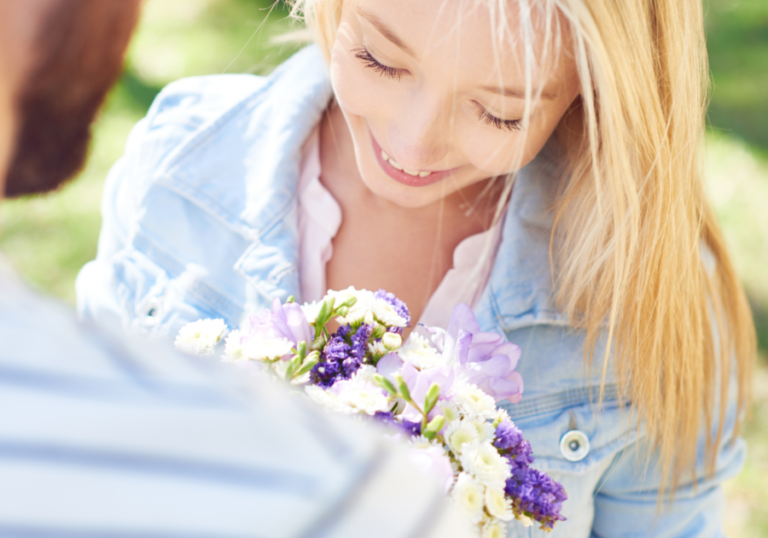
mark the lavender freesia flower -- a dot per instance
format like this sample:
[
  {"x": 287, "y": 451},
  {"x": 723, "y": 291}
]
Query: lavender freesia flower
[
  {"x": 484, "y": 359},
  {"x": 284, "y": 321},
  {"x": 419, "y": 381}
]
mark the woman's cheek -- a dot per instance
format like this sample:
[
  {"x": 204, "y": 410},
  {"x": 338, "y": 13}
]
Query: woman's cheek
[{"x": 358, "y": 92}]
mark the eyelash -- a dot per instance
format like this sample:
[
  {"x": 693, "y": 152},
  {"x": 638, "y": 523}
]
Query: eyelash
[
  {"x": 370, "y": 62},
  {"x": 504, "y": 125}
]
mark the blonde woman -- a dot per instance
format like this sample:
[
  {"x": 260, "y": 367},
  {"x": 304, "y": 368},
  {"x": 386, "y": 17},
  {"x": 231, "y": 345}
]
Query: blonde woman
[{"x": 539, "y": 161}]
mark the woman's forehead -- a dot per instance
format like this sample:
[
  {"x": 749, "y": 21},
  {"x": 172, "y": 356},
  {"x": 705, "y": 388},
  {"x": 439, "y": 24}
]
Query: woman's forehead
[{"x": 489, "y": 41}]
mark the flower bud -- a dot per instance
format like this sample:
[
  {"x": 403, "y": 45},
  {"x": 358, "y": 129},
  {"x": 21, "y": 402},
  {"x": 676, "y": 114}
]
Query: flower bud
[
  {"x": 379, "y": 331},
  {"x": 385, "y": 383},
  {"x": 312, "y": 359},
  {"x": 433, "y": 393},
  {"x": 290, "y": 299},
  {"x": 392, "y": 341},
  {"x": 302, "y": 349},
  {"x": 318, "y": 344},
  {"x": 436, "y": 424},
  {"x": 343, "y": 311},
  {"x": 402, "y": 387}
]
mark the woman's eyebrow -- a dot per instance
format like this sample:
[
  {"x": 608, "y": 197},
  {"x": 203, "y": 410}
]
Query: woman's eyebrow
[
  {"x": 518, "y": 93},
  {"x": 385, "y": 31}
]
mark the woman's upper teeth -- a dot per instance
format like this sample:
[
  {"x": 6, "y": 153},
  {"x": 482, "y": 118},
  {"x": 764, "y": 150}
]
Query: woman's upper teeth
[{"x": 394, "y": 164}]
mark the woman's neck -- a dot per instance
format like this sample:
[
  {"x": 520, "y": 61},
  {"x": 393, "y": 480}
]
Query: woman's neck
[{"x": 383, "y": 245}]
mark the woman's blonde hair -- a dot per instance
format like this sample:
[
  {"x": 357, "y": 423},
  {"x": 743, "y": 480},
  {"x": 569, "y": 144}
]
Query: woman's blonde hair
[{"x": 633, "y": 228}]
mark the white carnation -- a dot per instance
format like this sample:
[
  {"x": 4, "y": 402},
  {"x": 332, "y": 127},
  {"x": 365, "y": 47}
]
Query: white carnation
[
  {"x": 419, "y": 353},
  {"x": 261, "y": 349},
  {"x": 200, "y": 337},
  {"x": 468, "y": 495},
  {"x": 497, "y": 504},
  {"x": 472, "y": 401},
  {"x": 494, "y": 529},
  {"x": 459, "y": 433},
  {"x": 484, "y": 462}
]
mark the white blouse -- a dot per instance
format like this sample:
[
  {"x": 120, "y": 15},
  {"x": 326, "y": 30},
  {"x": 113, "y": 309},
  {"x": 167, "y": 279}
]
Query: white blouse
[{"x": 320, "y": 219}]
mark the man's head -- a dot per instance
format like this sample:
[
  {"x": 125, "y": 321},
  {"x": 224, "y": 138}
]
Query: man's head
[{"x": 58, "y": 60}]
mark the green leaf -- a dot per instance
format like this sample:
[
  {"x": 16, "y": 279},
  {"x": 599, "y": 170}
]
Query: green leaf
[{"x": 385, "y": 383}]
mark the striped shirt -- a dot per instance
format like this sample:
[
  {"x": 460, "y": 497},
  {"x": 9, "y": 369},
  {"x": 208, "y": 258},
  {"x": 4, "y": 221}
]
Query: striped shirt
[{"x": 104, "y": 436}]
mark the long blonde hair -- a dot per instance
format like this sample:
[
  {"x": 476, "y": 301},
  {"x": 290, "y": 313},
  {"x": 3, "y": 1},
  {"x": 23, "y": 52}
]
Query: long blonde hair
[{"x": 633, "y": 227}]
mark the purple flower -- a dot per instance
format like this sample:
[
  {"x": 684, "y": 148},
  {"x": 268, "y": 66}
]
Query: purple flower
[
  {"x": 433, "y": 461},
  {"x": 484, "y": 359},
  {"x": 325, "y": 373},
  {"x": 385, "y": 417},
  {"x": 419, "y": 381},
  {"x": 342, "y": 355},
  {"x": 536, "y": 494},
  {"x": 284, "y": 321},
  {"x": 399, "y": 307},
  {"x": 411, "y": 428},
  {"x": 507, "y": 435}
]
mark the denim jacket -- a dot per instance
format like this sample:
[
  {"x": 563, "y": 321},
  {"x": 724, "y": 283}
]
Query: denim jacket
[{"x": 200, "y": 221}]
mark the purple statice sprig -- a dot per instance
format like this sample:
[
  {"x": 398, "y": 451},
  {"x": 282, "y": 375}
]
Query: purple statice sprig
[
  {"x": 342, "y": 355},
  {"x": 533, "y": 493}
]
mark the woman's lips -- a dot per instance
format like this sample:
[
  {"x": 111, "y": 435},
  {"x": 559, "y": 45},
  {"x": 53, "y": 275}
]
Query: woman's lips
[{"x": 403, "y": 177}]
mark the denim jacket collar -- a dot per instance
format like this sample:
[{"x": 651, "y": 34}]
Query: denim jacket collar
[{"x": 271, "y": 125}]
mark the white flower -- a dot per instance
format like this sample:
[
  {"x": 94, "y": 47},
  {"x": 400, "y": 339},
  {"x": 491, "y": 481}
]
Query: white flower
[
  {"x": 327, "y": 399},
  {"x": 357, "y": 312},
  {"x": 200, "y": 337},
  {"x": 355, "y": 395},
  {"x": 468, "y": 494},
  {"x": 367, "y": 308},
  {"x": 311, "y": 310},
  {"x": 419, "y": 353},
  {"x": 494, "y": 529},
  {"x": 473, "y": 402},
  {"x": 501, "y": 416},
  {"x": 484, "y": 462},
  {"x": 485, "y": 430},
  {"x": 233, "y": 347},
  {"x": 366, "y": 398},
  {"x": 261, "y": 349},
  {"x": 497, "y": 504},
  {"x": 459, "y": 433},
  {"x": 386, "y": 314},
  {"x": 377, "y": 348},
  {"x": 392, "y": 341},
  {"x": 422, "y": 442},
  {"x": 525, "y": 520}
]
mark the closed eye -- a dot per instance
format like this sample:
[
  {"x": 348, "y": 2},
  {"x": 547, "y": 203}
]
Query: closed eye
[
  {"x": 489, "y": 119},
  {"x": 370, "y": 62}
]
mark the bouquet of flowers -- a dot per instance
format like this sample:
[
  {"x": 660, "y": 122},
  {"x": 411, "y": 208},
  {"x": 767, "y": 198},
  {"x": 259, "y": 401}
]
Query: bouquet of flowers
[{"x": 438, "y": 389}]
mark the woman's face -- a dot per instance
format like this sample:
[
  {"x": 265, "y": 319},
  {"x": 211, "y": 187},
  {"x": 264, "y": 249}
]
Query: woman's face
[{"x": 432, "y": 105}]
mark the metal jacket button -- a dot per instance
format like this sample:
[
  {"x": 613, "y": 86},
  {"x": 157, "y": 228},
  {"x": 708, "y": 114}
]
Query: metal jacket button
[{"x": 574, "y": 445}]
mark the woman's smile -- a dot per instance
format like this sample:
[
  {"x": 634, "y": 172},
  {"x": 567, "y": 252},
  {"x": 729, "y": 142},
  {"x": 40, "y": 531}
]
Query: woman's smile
[{"x": 412, "y": 178}]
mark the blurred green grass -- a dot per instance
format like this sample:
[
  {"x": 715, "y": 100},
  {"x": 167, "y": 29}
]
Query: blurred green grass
[{"x": 49, "y": 238}]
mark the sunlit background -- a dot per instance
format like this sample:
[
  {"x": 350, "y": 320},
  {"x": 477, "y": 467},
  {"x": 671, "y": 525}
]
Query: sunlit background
[{"x": 49, "y": 238}]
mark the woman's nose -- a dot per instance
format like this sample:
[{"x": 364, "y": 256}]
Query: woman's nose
[{"x": 420, "y": 136}]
